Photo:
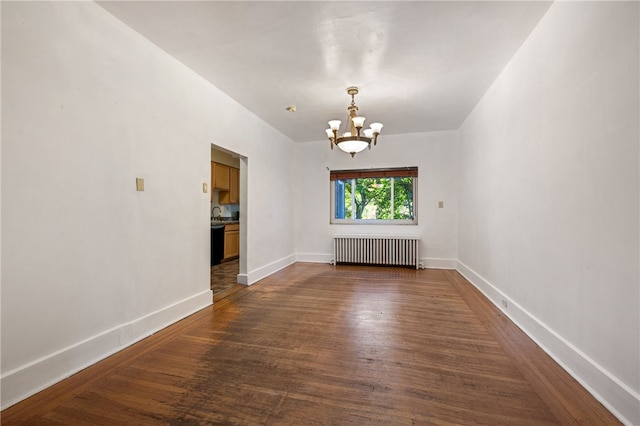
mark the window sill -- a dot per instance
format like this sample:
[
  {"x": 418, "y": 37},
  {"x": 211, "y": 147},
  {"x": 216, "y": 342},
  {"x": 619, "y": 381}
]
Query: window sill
[{"x": 372, "y": 222}]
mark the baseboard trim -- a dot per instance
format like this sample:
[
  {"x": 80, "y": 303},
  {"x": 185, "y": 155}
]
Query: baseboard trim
[
  {"x": 29, "y": 379},
  {"x": 438, "y": 263},
  {"x": 314, "y": 257},
  {"x": 264, "y": 271},
  {"x": 621, "y": 400}
]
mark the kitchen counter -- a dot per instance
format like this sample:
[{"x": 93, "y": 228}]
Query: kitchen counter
[{"x": 223, "y": 222}]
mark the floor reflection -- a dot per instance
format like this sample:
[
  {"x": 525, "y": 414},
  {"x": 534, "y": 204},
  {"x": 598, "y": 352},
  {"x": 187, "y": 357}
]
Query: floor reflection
[{"x": 224, "y": 278}]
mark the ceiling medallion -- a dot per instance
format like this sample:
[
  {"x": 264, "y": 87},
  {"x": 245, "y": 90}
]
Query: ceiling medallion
[{"x": 351, "y": 140}]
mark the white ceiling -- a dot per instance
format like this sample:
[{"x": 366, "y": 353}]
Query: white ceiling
[{"x": 420, "y": 65}]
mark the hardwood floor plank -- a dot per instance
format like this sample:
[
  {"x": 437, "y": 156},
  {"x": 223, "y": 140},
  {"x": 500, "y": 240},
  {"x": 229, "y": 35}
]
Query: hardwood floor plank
[
  {"x": 320, "y": 344},
  {"x": 569, "y": 401}
]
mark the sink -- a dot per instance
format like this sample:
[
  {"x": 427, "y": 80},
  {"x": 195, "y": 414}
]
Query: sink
[{"x": 223, "y": 221}]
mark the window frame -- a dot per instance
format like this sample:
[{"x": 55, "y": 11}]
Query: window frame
[{"x": 342, "y": 175}]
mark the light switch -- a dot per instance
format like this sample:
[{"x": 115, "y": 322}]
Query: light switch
[
  {"x": 440, "y": 204},
  {"x": 140, "y": 184},
  {"x": 205, "y": 188}
]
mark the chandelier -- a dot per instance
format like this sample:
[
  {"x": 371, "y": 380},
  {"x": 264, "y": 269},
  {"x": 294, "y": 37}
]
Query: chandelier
[{"x": 351, "y": 140}]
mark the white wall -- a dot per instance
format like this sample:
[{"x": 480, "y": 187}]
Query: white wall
[
  {"x": 549, "y": 195},
  {"x": 89, "y": 265},
  {"x": 434, "y": 153}
]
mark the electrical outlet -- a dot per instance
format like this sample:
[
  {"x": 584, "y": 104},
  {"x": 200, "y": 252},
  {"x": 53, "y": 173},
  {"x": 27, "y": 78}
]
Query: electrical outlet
[
  {"x": 140, "y": 184},
  {"x": 205, "y": 187},
  {"x": 504, "y": 303},
  {"x": 440, "y": 204}
]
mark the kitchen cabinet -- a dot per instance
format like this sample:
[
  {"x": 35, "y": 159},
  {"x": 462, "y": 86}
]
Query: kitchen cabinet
[
  {"x": 231, "y": 241},
  {"x": 232, "y": 196},
  {"x": 219, "y": 176}
]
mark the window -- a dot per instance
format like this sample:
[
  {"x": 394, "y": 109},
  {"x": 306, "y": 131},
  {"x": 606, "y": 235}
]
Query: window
[{"x": 374, "y": 196}]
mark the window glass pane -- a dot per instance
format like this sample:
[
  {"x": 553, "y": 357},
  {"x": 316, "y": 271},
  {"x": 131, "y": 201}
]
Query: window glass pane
[
  {"x": 403, "y": 198},
  {"x": 348, "y": 205},
  {"x": 373, "y": 198},
  {"x": 342, "y": 199}
]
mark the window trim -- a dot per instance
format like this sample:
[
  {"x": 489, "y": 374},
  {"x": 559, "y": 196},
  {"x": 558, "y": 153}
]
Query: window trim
[{"x": 373, "y": 173}]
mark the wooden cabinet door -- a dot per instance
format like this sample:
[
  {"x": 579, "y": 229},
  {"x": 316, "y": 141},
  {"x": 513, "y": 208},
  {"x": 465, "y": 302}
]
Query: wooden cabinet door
[
  {"x": 221, "y": 177},
  {"x": 234, "y": 190},
  {"x": 232, "y": 196},
  {"x": 231, "y": 241}
]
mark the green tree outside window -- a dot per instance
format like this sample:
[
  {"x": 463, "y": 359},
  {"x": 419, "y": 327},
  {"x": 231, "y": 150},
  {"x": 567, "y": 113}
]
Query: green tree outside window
[{"x": 375, "y": 198}]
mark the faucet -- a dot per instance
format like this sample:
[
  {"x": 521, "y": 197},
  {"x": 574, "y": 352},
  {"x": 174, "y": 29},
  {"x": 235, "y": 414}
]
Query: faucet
[{"x": 213, "y": 210}]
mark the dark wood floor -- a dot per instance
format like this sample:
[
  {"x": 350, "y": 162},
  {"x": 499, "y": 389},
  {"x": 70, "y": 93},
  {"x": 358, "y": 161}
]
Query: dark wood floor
[{"x": 319, "y": 344}]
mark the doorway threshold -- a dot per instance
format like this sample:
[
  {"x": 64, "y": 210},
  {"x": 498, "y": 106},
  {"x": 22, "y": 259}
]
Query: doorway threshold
[
  {"x": 224, "y": 279},
  {"x": 227, "y": 292}
]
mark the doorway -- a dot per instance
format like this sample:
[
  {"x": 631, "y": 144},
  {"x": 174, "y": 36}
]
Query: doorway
[{"x": 228, "y": 197}]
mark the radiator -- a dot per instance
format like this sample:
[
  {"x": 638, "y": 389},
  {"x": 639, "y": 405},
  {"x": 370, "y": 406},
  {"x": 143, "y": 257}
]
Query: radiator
[{"x": 376, "y": 250}]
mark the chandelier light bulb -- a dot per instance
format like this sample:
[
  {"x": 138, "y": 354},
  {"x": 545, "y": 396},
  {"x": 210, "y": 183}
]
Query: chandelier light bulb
[
  {"x": 358, "y": 121},
  {"x": 376, "y": 127},
  {"x": 335, "y": 124}
]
